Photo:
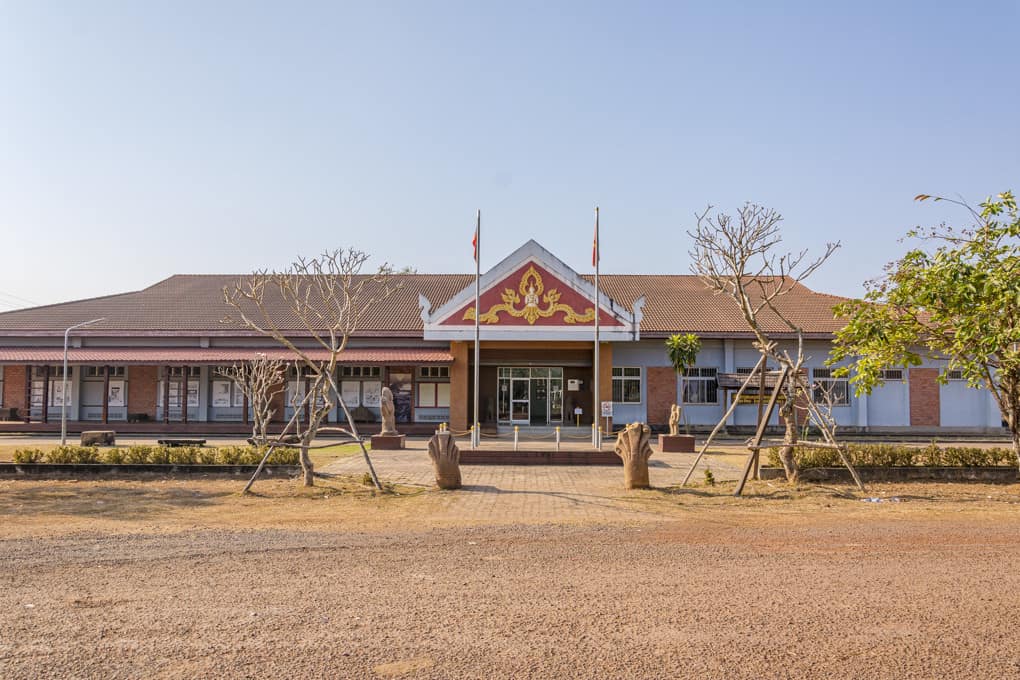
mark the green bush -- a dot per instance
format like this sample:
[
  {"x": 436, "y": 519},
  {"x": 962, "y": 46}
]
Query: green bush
[
  {"x": 74, "y": 454},
  {"x": 898, "y": 455},
  {"x": 154, "y": 455},
  {"x": 28, "y": 456}
]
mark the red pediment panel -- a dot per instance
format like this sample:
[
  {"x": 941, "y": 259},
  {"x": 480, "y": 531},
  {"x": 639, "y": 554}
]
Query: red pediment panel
[{"x": 532, "y": 296}]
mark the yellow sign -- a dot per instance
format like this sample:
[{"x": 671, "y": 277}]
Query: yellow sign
[
  {"x": 755, "y": 398},
  {"x": 531, "y": 288}
]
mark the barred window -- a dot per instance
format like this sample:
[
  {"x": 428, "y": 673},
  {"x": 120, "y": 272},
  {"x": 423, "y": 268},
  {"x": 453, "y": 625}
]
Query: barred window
[
  {"x": 954, "y": 375},
  {"x": 434, "y": 371},
  {"x": 891, "y": 374},
  {"x": 626, "y": 385},
  {"x": 827, "y": 389},
  {"x": 700, "y": 386},
  {"x": 361, "y": 371}
]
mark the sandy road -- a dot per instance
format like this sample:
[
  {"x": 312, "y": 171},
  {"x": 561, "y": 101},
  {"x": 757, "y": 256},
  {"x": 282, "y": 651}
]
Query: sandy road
[{"x": 885, "y": 597}]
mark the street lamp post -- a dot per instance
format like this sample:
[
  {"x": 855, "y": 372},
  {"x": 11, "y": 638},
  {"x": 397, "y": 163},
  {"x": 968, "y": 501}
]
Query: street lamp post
[{"x": 63, "y": 390}]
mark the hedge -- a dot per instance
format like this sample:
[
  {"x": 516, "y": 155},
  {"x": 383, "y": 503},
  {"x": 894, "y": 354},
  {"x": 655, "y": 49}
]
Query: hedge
[
  {"x": 150, "y": 455},
  {"x": 897, "y": 455}
]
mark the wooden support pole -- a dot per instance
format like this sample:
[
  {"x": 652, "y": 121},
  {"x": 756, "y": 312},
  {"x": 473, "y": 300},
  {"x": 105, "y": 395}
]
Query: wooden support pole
[
  {"x": 761, "y": 395},
  {"x": 106, "y": 394},
  {"x": 308, "y": 404},
  {"x": 722, "y": 421},
  {"x": 28, "y": 393},
  {"x": 185, "y": 389},
  {"x": 762, "y": 424},
  {"x": 46, "y": 394},
  {"x": 166, "y": 395}
]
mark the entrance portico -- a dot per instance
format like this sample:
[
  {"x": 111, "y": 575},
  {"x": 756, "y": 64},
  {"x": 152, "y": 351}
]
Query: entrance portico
[{"x": 537, "y": 342}]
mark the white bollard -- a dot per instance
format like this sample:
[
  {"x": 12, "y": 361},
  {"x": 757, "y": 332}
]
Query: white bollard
[
  {"x": 557, "y": 437},
  {"x": 516, "y": 433}
]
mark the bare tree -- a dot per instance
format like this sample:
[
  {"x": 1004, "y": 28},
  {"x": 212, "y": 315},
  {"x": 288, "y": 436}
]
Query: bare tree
[
  {"x": 739, "y": 257},
  {"x": 323, "y": 298},
  {"x": 259, "y": 380}
]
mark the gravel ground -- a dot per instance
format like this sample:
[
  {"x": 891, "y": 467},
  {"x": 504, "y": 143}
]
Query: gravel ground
[{"x": 890, "y": 596}]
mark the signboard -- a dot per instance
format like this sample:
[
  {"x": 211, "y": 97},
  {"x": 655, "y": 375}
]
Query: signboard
[
  {"x": 372, "y": 393},
  {"x": 755, "y": 398},
  {"x": 573, "y": 385},
  {"x": 607, "y": 409},
  {"x": 350, "y": 390},
  {"x": 116, "y": 397},
  {"x": 221, "y": 393}
]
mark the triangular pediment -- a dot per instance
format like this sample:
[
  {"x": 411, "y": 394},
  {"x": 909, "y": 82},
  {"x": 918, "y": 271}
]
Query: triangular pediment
[{"x": 531, "y": 293}]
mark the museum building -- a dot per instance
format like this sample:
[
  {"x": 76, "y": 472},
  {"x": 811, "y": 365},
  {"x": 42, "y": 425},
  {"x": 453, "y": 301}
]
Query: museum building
[{"x": 153, "y": 364}]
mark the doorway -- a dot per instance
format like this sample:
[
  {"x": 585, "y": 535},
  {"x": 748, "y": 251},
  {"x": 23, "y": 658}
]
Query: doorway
[{"x": 530, "y": 396}]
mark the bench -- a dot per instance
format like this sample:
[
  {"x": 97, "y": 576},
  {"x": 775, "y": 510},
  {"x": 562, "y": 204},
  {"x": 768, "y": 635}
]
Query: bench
[
  {"x": 98, "y": 438},
  {"x": 181, "y": 442},
  {"x": 9, "y": 414}
]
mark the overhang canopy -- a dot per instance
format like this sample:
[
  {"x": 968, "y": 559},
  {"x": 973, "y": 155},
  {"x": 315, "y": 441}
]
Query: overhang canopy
[{"x": 218, "y": 355}]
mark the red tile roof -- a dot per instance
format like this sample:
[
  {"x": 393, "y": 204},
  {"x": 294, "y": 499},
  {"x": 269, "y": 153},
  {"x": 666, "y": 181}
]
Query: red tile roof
[
  {"x": 217, "y": 355},
  {"x": 190, "y": 304}
]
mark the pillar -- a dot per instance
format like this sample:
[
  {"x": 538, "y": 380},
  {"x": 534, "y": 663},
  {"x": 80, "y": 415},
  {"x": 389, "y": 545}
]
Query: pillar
[
  {"x": 166, "y": 395},
  {"x": 460, "y": 379},
  {"x": 605, "y": 380},
  {"x": 28, "y": 394},
  {"x": 106, "y": 394},
  {"x": 185, "y": 390},
  {"x": 46, "y": 394}
]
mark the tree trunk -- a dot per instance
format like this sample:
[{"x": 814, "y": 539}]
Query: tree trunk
[
  {"x": 306, "y": 466},
  {"x": 786, "y": 454},
  {"x": 1016, "y": 445}
]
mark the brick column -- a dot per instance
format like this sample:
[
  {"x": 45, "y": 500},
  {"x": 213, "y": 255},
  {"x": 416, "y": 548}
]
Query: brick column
[
  {"x": 662, "y": 394},
  {"x": 28, "y": 394},
  {"x": 46, "y": 394},
  {"x": 141, "y": 390},
  {"x": 106, "y": 394},
  {"x": 14, "y": 383},
  {"x": 460, "y": 378},
  {"x": 924, "y": 397}
]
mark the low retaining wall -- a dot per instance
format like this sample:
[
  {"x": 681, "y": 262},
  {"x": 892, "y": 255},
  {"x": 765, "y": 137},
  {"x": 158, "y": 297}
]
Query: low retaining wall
[
  {"x": 1005, "y": 474},
  {"x": 64, "y": 469}
]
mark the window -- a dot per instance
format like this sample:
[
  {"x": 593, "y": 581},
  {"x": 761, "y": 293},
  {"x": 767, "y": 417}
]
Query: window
[
  {"x": 361, "y": 371},
  {"x": 700, "y": 386},
  {"x": 433, "y": 395},
  {"x": 954, "y": 375},
  {"x": 39, "y": 372},
  {"x": 626, "y": 385},
  {"x": 826, "y": 388},
  {"x": 97, "y": 372},
  {"x": 434, "y": 372},
  {"x": 891, "y": 374},
  {"x": 179, "y": 371}
]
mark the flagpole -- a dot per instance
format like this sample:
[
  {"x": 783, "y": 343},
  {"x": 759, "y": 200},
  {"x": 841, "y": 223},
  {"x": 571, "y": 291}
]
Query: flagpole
[
  {"x": 476, "y": 437},
  {"x": 597, "y": 413}
]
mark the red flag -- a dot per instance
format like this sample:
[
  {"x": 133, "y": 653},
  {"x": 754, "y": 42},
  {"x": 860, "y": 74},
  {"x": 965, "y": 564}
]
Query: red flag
[
  {"x": 474, "y": 244},
  {"x": 595, "y": 246}
]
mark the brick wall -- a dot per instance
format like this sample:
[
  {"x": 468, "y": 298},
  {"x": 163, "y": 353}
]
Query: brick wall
[
  {"x": 605, "y": 378},
  {"x": 14, "y": 387},
  {"x": 662, "y": 384},
  {"x": 141, "y": 390},
  {"x": 924, "y": 397}
]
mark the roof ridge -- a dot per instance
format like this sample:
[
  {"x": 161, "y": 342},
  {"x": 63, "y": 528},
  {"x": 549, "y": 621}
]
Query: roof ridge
[{"x": 74, "y": 302}]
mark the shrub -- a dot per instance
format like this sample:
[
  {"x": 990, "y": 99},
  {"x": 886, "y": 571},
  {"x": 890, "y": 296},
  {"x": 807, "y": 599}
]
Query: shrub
[
  {"x": 137, "y": 455},
  {"x": 113, "y": 456},
  {"x": 74, "y": 455},
  {"x": 28, "y": 456},
  {"x": 898, "y": 455}
]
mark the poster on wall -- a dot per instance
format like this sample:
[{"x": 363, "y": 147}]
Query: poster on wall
[
  {"x": 238, "y": 397},
  {"x": 372, "y": 392},
  {"x": 116, "y": 395},
  {"x": 350, "y": 390},
  {"x": 57, "y": 393},
  {"x": 221, "y": 393},
  {"x": 192, "y": 393}
]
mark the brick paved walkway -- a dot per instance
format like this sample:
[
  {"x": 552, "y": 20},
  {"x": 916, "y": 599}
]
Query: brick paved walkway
[{"x": 532, "y": 493}]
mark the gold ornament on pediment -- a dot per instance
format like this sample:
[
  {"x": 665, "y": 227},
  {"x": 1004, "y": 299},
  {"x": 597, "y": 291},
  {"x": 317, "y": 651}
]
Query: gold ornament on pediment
[{"x": 531, "y": 293}]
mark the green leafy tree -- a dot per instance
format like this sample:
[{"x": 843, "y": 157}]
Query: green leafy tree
[
  {"x": 955, "y": 297},
  {"x": 683, "y": 352}
]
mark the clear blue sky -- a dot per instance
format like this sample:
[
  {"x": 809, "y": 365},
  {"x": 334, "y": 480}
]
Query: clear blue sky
[{"x": 142, "y": 139}]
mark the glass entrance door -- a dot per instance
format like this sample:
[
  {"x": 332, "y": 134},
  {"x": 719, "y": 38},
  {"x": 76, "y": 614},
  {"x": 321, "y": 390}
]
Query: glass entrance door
[
  {"x": 530, "y": 396},
  {"x": 520, "y": 400}
]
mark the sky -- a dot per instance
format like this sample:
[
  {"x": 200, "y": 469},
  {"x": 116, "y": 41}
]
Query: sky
[{"x": 140, "y": 140}]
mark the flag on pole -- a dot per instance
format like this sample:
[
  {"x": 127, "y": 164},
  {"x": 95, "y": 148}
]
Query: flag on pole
[
  {"x": 595, "y": 241},
  {"x": 474, "y": 242}
]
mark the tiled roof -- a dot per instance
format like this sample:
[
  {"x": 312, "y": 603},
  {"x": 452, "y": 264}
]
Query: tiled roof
[
  {"x": 217, "y": 355},
  {"x": 189, "y": 303}
]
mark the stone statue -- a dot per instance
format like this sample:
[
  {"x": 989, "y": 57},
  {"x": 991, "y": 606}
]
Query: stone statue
[
  {"x": 633, "y": 447},
  {"x": 674, "y": 420},
  {"x": 386, "y": 409},
  {"x": 445, "y": 458}
]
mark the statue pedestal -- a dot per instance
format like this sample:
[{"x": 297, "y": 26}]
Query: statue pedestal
[
  {"x": 387, "y": 442},
  {"x": 676, "y": 443}
]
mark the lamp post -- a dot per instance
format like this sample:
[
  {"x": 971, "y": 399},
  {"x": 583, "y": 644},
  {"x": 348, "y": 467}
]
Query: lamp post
[{"x": 63, "y": 390}]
